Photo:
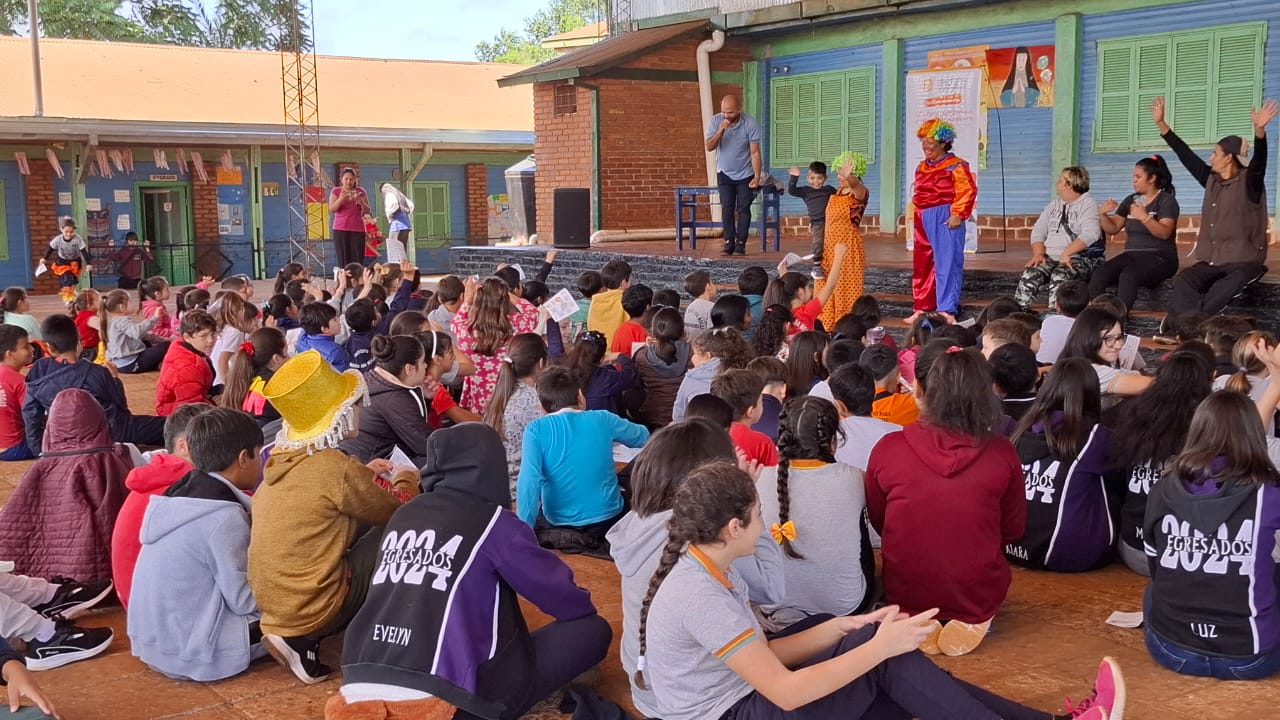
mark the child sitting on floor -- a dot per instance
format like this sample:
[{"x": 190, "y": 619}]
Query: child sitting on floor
[
  {"x": 319, "y": 328},
  {"x": 164, "y": 469},
  {"x": 130, "y": 345},
  {"x": 752, "y": 282},
  {"x": 467, "y": 608},
  {"x": 635, "y": 301},
  {"x": 15, "y": 354},
  {"x": 603, "y": 376},
  {"x": 567, "y": 477},
  {"x": 661, "y": 365},
  {"x": 1015, "y": 374},
  {"x": 251, "y": 369},
  {"x": 193, "y": 616},
  {"x": 813, "y": 507},
  {"x": 892, "y": 403},
  {"x": 714, "y": 350},
  {"x": 38, "y": 612},
  {"x": 853, "y": 391},
  {"x": 51, "y": 375},
  {"x": 186, "y": 375},
  {"x": 153, "y": 294},
  {"x": 606, "y": 313},
  {"x": 795, "y": 291},
  {"x": 59, "y": 518},
  {"x": 743, "y": 390},
  {"x": 697, "y": 316},
  {"x": 17, "y": 311},
  {"x": 308, "y": 567}
]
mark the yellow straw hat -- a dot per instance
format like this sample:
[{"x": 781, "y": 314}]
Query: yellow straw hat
[{"x": 314, "y": 401}]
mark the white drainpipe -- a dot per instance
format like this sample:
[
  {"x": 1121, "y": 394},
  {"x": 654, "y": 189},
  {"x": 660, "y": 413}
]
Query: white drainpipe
[
  {"x": 707, "y": 102},
  {"x": 607, "y": 236}
]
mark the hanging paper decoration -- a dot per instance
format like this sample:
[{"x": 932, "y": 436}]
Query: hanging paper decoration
[
  {"x": 23, "y": 167},
  {"x": 197, "y": 167},
  {"x": 104, "y": 169},
  {"x": 128, "y": 160},
  {"x": 161, "y": 161},
  {"x": 320, "y": 177},
  {"x": 290, "y": 167},
  {"x": 182, "y": 162},
  {"x": 228, "y": 163},
  {"x": 53, "y": 160},
  {"x": 117, "y": 160}
]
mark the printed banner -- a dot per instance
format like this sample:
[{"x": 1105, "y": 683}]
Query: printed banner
[
  {"x": 974, "y": 56},
  {"x": 1021, "y": 77},
  {"x": 954, "y": 96}
]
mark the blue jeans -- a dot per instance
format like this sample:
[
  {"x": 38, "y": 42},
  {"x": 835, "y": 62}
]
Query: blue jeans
[
  {"x": 17, "y": 452},
  {"x": 1188, "y": 662},
  {"x": 735, "y": 209}
]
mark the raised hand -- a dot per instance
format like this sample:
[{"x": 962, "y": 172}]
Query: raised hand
[
  {"x": 1157, "y": 109},
  {"x": 1263, "y": 116},
  {"x": 1109, "y": 206},
  {"x": 794, "y": 171}
]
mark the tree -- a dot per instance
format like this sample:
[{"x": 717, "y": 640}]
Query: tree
[
  {"x": 238, "y": 24},
  {"x": 526, "y": 49}
]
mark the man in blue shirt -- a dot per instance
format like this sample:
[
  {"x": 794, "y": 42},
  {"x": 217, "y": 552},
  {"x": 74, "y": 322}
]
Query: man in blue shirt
[{"x": 738, "y": 169}]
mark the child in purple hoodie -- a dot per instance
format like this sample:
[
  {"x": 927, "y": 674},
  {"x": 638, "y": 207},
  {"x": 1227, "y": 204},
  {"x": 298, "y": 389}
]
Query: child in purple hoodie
[{"x": 442, "y": 622}]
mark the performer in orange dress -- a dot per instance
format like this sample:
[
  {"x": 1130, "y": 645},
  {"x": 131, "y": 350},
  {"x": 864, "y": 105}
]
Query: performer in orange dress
[
  {"x": 944, "y": 197},
  {"x": 844, "y": 215}
]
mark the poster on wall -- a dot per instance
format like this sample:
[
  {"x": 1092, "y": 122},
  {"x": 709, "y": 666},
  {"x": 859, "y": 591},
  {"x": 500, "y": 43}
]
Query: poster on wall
[
  {"x": 974, "y": 56},
  {"x": 1021, "y": 77},
  {"x": 952, "y": 95},
  {"x": 501, "y": 221}
]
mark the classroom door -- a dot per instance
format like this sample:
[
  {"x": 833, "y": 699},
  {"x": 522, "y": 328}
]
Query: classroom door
[
  {"x": 431, "y": 229},
  {"x": 165, "y": 221}
]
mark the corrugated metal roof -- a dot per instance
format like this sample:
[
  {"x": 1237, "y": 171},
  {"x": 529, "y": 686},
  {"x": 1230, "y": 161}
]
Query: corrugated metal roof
[
  {"x": 190, "y": 86},
  {"x": 615, "y": 51}
]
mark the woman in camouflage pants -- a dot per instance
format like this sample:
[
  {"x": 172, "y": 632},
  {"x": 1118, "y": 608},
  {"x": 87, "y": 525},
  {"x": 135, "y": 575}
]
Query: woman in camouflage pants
[{"x": 1067, "y": 242}]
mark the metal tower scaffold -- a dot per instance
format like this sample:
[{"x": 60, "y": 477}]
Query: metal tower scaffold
[
  {"x": 302, "y": 141},
  {"x": 619, "y": 19}
]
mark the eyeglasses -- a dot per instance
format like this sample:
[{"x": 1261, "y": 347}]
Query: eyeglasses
[{"x": 1113, "y": 340}]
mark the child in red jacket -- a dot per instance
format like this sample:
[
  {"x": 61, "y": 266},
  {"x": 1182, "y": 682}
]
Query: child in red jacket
[
  {"x": 186, "y": 375},
  {"x": 154, "y": 478},
  {"x": 946, "y": 494}
]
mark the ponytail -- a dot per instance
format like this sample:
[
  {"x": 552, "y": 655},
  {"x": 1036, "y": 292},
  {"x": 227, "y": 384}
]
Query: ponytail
[
  {"x": 584, "y": 356},
  {"x": 666, "y": 328},
  {"x": 1246, "y": 362},
  {"x": 250, "y": 360},
  {"x": 525, "y": 354},
  {"x": 111, "y": 302},
  {"x": 771, "y": 333},
  {"x": 1156, "y": 167},
  {"x": 151, "y": 288},
  {"x": 783, "y": 289},
  {"x": 287, "y": 273}
]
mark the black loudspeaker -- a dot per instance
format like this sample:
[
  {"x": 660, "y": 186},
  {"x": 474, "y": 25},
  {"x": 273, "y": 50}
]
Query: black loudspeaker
[{"x": 571, "y": 217}]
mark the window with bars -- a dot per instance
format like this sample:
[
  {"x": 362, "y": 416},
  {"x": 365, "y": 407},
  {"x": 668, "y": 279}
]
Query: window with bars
[
  {"x": 1210, "y": 79},
  {"x": 820, "y": 115},
  {"x": 566, "y": 100}
]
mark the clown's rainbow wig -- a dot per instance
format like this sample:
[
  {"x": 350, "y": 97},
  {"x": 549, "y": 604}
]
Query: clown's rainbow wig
[{"x": 939, "y": 130}]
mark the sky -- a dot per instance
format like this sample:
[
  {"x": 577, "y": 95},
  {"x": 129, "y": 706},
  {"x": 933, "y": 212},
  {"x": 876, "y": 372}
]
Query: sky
[{"x": 415, "y": 29}]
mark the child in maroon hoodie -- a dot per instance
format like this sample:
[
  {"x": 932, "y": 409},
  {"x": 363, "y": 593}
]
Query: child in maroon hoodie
[
  {"x": 946, "y": 494},
  {"x": 154, "y": 478}
]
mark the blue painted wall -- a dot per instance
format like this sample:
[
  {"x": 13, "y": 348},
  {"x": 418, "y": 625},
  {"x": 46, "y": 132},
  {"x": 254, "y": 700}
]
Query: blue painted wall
[
  {"x": 1020, "y": 140},
  {"x": 817, "y": 62},
  {"x": 17, "y": 269},
  {"x": 1110, "y": 172}
]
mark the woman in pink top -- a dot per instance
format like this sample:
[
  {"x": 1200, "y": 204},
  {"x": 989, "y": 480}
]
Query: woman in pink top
[{"x": 347, "y": 204}]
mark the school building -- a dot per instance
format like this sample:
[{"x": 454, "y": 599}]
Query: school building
[
  {"x": 1064, "y": 84},
  {"x": 185, "y": 146}
]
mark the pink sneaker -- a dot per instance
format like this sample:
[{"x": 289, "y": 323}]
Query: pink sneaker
[{"x": 1108, "y": 694}]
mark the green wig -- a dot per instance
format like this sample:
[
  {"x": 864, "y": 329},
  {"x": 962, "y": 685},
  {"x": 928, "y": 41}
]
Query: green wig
[{"x": 859, "y": 163}]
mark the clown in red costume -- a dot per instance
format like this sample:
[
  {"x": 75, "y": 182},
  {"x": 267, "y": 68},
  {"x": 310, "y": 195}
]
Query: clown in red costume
[{"x": 943, "y": 197}]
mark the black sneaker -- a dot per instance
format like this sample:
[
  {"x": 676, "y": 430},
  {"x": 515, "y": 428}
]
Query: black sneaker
[
  {"x": 73, "y": 598},
  {"x": 300, "y": 655},
  {"x": 728, "y": 250},
  {"x": 68, "y": 644},
  {"x": 742, "y": 249}
]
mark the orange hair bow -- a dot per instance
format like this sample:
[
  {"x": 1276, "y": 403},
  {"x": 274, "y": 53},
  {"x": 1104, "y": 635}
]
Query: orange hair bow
[{"x": 785, "y": 531}]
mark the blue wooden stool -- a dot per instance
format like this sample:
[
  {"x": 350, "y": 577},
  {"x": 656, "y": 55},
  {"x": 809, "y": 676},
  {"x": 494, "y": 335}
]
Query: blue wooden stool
[{"x": 690, "y": 199}]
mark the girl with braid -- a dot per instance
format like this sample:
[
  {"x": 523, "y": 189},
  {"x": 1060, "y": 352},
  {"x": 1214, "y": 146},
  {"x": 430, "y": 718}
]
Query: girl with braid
[
  {"x": 815, "y": 510},
  {"x": 704, "y": 655}
]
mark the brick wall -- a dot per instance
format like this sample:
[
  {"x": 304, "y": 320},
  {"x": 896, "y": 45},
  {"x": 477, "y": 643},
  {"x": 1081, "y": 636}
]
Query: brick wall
[
  {"x": 651, "y": 139},
  {"x": 204, "y": 221},
  {"x": 42, "y": 221},
  {"x": 477, "y": 204}
]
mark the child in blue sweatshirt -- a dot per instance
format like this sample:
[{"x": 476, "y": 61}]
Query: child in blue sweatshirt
[
  {"x": 361, "y": 317},
  {"x": 566, "y": 464},
  {"x": 191, "y": 612},
  {"x": 319, "y": 328}
]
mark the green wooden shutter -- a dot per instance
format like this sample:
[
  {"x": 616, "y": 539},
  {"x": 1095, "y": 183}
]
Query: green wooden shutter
[
  {"x": 806, "y": 121},
  {"x": 1190, "y": 101},
  {"x": 783, "y": 126},
  {"x": 860, "y": 100},
  {"x": 1113, "y": 121},
  {"x": 831, "y": 118},
  {"x": 1210, "y": 78},
  {"x": 1152, "y": 80},
  {"x": 431, "y": 214},
  {"x": 1237, "y": 79}
]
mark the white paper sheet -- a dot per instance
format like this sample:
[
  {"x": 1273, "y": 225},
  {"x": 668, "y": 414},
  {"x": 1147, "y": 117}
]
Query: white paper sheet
[
  {"x": 624, "y": 454},
  {"x": 561, "y": 305},
  {"x": 1125, "y": 619},
  {"x": 400, "y": 459}
]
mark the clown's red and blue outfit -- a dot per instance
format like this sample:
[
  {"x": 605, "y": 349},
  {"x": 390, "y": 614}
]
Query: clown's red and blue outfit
[{"x": 942, "y": 189}]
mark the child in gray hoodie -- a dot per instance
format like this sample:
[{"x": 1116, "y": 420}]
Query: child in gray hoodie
[
  {"x": 191, "y": 614},
  {"x": 636, "y": 541}
]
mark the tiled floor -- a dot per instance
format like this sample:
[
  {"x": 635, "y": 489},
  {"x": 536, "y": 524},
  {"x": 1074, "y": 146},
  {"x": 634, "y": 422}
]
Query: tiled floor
[{"x": 1045, "y": 645}]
